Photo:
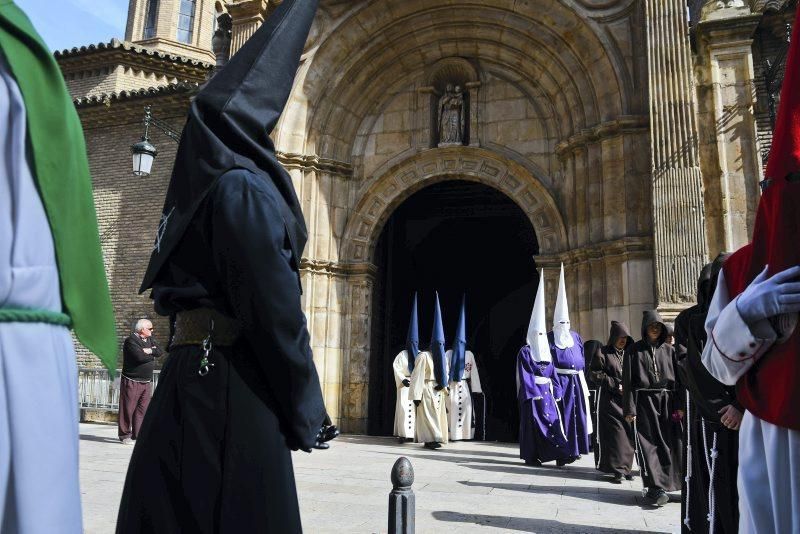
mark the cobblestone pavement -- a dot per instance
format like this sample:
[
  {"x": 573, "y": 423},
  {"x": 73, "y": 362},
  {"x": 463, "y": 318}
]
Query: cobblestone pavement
[{"x": 463, "y": 487}]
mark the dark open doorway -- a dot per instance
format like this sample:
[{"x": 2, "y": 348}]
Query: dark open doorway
[{"x": 455, "y": 237}]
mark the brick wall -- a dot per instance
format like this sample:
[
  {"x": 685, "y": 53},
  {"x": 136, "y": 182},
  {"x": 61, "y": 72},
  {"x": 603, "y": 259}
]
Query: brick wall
[{"x": 128, "y": 209}]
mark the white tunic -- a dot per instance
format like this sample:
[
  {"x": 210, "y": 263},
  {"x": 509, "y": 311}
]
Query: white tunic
[
  {"x": 432, "y": 411},
  {"x": 461, "y": 412},
  {"x": 404, "y": 411},
  {"x": 39, "y": 489},
  {"x": 769, "y": 455}
]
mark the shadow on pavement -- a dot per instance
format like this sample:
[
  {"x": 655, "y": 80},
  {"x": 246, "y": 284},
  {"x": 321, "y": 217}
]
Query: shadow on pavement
[
  {"x": 524, "y": 524},
  {"x": 100, "y": 439}
]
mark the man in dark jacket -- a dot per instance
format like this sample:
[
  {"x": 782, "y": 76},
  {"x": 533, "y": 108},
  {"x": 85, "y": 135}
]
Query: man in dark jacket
[{"x": 139, "y": 355}]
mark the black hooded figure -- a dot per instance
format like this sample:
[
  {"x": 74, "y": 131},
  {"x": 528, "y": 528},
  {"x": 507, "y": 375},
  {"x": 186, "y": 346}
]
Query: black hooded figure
[
  {"x": 651, "y": 400},
  {"x": 684, "y": 317},
  {"x": 711, "y": 445},
  {"x": 614, "y": 435},
  {"x": 213, "y": 454}
]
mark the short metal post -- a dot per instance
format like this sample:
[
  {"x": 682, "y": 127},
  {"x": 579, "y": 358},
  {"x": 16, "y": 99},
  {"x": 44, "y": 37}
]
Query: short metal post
[{"x": 401, "y": 499}]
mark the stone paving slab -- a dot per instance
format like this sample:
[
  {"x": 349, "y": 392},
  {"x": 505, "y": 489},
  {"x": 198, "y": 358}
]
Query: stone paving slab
[{"x": 464, "y": 487}]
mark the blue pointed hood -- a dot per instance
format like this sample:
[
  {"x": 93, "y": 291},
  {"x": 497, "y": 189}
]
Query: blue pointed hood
[
  {"x": 437, "y": 346},
  {"x": 459, "y": 346},
  {"x": 412, "y": 339}
]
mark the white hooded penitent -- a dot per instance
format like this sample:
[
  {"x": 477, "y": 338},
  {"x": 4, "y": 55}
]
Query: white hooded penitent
[
  {"x": 561, "y": 328},
  {"x": 537, "y": 330}
]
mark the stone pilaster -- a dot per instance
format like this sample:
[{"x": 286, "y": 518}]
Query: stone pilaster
[
  {"x": 729, "y": 139},
  {"x": 247, "y": 16},
  {"x": 357, "y": 339},
  {"x": 680, "y": 248}
]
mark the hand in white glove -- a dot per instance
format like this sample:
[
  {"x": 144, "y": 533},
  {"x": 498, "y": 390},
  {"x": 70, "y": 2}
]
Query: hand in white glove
[{"x": 770, "y": 297}]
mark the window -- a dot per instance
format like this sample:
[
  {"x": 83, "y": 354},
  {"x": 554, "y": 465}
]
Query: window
[
  {"x": 186, "y": 21},
  {"x": 150, "y": 17}
]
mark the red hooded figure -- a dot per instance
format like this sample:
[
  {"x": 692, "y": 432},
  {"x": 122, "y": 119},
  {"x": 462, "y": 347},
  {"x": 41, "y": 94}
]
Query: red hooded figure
[{"x": 772, "y": 385}]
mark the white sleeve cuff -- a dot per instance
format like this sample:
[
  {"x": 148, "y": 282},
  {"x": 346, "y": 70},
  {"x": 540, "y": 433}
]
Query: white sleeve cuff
[{"x": 736, "y": 345}]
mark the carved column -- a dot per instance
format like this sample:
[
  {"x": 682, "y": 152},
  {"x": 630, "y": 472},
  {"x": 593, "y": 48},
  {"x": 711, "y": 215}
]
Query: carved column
[
  {"x": 680, "y": 248},
  {"x": 247, "y": 17},
  {"x": 472, "y": 89},
  {"x": 726, "y": 96},
  {"x": 357, "y": 339}
]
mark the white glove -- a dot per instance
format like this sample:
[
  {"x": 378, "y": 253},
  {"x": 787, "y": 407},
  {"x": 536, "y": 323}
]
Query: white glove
[{"x": 770, "y": 297}]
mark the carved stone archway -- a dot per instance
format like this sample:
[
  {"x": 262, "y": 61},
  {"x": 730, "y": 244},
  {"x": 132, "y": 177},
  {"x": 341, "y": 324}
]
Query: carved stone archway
[{"x": 379, "y": 198}]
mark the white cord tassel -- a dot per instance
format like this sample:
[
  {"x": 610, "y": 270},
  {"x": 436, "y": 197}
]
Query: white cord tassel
[
  {"x": 597, "y": 429},
  {"x": 711, "y": 462},
  {"x": 688, "y": 478}
]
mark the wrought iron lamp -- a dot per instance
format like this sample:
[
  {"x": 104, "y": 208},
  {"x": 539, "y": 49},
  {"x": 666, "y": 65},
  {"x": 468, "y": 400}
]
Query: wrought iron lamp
[{"x": 144, "y": 152}]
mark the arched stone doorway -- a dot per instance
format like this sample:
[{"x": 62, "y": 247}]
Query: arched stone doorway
[{"x": 455, "y": 237}]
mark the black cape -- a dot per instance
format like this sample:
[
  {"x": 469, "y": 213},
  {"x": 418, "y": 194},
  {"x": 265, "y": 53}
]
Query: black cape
[
  {"x": 614, "y": 436},
  {"x": 650, "y": 392},
  {"x": 214, "y": 451}
]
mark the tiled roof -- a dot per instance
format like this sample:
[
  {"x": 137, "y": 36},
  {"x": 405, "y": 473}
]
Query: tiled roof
[
  {"x": 116, "y": 44},
  {"x": 105, "y": 98}
]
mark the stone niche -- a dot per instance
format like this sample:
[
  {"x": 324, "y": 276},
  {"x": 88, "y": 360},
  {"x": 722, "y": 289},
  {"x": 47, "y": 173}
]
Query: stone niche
[{"x": 448, "y": 103}]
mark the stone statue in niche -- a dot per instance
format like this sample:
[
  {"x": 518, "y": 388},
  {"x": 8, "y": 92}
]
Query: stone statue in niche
[{"x": 451, "y": 117}]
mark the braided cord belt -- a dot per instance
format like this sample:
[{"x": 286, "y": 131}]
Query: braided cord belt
[{"x": 13, "y": 315}]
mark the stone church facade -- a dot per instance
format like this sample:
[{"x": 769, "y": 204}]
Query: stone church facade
[{"x": 631, "y": 133}]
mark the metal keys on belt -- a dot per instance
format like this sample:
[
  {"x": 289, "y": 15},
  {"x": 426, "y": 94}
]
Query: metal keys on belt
[{"x": 205, "y": 364}]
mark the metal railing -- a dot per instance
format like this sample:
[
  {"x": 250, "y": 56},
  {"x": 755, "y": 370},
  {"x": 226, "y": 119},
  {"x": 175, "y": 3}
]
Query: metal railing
[{"x": 97, "y": 390}]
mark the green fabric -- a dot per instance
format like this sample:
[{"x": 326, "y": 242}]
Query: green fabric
[
  {"x": 57, "y": 155},
  {"x": 8, "y": 315}
]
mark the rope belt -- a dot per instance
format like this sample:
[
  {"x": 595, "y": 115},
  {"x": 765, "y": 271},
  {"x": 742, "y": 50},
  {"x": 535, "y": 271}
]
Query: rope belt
[
  {"x": 567, "y": 371},
  {"x": 13, "y": 315},
  {"x": 541, "y": 380},
  {"x": 193, "y": 327}
]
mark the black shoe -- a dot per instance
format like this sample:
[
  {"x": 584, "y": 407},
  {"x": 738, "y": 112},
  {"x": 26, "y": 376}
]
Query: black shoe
[
  {"x": 432, "y": 445},
  {"x": 533, "y": 463},
  {"x": 401, "y": 440},
  {"x": 617, "y": 478},
  {"x": 565, "y": 461},
  {"x": 657, "y": 497},
  {"x": 629, "y": 477}
]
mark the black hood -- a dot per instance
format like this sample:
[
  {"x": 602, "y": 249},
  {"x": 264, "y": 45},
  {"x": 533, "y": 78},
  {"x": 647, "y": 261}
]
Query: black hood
[
  {"x": 617, "y": 331},
  {"x": 652, "y": 316},
  {"x": 703, "y": 282},
  {"x": 228, "y": 127},
  {"x": 716, "y": 268}
]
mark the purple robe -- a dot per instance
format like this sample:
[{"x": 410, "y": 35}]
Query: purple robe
[
  {"x": 541, "y": 435},
  {"x": 568, "y": 363}
]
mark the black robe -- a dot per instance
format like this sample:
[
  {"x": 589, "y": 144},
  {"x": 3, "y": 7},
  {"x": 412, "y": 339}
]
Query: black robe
[
  {"x": 213, "y": 454},
  {"x": 614, "y": 436},
  {"x": 650, "y": 384},
  {"x": 704, "y": 430}
]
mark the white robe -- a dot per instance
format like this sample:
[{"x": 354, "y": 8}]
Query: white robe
[
  {"x": 39, "y": 489},
  {"x": 769, "y": 455},
  {"x": 432, "y": 411},
  {"x": 404, "y": 411},
  {"x": 461, "y": 411}
]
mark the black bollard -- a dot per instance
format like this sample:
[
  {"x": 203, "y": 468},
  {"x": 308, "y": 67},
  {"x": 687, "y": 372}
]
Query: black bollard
[{"x": 401, "y": 499}]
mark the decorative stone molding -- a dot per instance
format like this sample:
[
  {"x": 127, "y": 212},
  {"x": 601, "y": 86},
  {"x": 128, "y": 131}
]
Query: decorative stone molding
[
  {"x": 380, "y": 197},
  {"x": 625, "y": 248},
  {"x": 338, "y": 269},
  {"x": 247, "y": 16},
  {"x": 315, "y": 163},
  {"x": 604, "y": 130}
]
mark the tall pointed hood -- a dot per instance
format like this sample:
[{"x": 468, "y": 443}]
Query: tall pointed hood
[
  {"x": 561, "y": 327},
  {"x": 228, "y": 127},
  {"x": 412, "y": 338},
  {"x": 437, "y": 346},
  {"x": 459, "y": 348},
  {"x": 537, "y": 329}
]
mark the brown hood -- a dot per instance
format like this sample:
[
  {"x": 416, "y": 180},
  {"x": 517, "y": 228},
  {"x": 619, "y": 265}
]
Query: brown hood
[
  {"x": 652, "y": 316},
  {"x": 619, "y": 330}
]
